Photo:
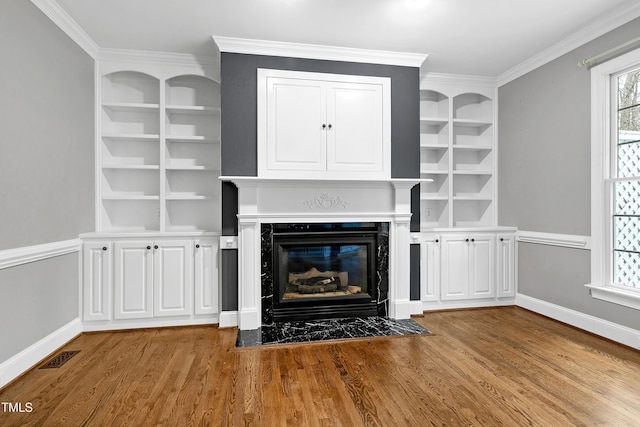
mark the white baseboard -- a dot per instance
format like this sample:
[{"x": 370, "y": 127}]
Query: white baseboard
[
  {"x": 108, "y": 325},
  {"x": 29, "y": 357},
  {"x": 595, "y": 325},
  {"x": 228, "y": 319},
  {"x": 460, "y": 305}
]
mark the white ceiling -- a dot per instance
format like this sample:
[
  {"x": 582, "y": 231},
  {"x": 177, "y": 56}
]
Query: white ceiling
[{"x": 476, "y": 37}]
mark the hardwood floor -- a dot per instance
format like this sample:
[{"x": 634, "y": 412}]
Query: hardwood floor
[{"x": 489, "y": 367}]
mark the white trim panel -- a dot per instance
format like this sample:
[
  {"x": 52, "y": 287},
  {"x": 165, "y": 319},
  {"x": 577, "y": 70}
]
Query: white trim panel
[
  {"x": 68, "y": 25},
  {"x": 29, "y": 357},
  {"x": 595, "y": 325},
  {"x": 554, "y": 239},
  {"x": 90, "y": 326},
  {"x": 228, "y": 319},
  {"x": 312, "y": 51},
  {"x": 27, "y": 254},
  {"x": 615, "y": 295}
]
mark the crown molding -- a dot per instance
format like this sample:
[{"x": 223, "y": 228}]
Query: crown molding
[
  {"x": 110, "y": 54},
  {"x": 70, "y": 27},
  {"x": 312, "y": 51},
  {"x": 459, "y": 79},
  {"x": 607, "y": 23}
]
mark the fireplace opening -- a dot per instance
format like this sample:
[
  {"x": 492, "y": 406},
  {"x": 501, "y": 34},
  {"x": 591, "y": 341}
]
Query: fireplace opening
[{"x": 325, "y": 271}]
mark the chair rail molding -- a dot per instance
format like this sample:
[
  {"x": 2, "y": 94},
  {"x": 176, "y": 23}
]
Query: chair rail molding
[
  {"x": 554, "y": 239},
  {"x": 27, "y": 254}
]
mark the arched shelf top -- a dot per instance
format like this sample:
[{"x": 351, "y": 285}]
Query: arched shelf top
[
  {"x": 473, "y": 106},
  {"x": 428, "y": 94},
  {"x": 190, "y": 90},
  {"x": 132, "y": 87},
  {"x": 434, "y": 105}
]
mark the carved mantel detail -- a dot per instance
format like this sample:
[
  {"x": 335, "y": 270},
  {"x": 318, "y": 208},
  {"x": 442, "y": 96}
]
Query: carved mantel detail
[{"x": 327, "y": 201}]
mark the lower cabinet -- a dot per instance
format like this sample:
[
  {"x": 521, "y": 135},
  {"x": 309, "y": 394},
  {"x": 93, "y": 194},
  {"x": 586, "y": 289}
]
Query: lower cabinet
[
  {"x": 473, "y": 267},
  {"x": 131, "y": 279},
  {"x": 152, "y": 279},
  {"x": 468, "y": 264}
]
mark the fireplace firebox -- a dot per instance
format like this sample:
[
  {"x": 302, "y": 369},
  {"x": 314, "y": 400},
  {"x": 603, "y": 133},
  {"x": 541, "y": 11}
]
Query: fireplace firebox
[{"x": 317, "y": 271}]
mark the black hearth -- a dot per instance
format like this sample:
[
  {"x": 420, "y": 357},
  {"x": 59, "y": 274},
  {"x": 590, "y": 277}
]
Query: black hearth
[{"x": 321, "y": 271}]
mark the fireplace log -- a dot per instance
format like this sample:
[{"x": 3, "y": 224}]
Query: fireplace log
[
  {"x": 354, "y": 289},
  {"x": 317, "y": 289}
]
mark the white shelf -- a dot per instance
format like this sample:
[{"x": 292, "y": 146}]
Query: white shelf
[
  {"x": 471, "y": 123},
  {"x": 129, "y": 197},
  {"x": 434, "y": 121},
  {"x": 158, "y": 150},
  {"x": 473, "y": 147},
  {"x": 473, "y": 172},
  {"x": 457, "y": 151},
  {"x": 431, "y": 197},
  {"x": 192, "y": 138},
  {"x": 131, "y": 136},
  {"x": 191, "y": 168},
  {"x": 192, "y": 109},
  {"x": 131, "y": 107},
  {"x": 130, "y": 166}
]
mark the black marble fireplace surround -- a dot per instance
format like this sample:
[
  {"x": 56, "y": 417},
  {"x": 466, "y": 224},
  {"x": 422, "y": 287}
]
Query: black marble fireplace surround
[{"x": 373, "y": 237}]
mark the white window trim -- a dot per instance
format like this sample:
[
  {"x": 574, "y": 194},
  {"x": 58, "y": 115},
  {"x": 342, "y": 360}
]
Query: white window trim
[{"x": 601, "y": 133}]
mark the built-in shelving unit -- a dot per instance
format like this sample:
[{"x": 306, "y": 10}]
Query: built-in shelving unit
[
  {"x": 457, "y": 151},
  {"x": 158, "y": 147}
]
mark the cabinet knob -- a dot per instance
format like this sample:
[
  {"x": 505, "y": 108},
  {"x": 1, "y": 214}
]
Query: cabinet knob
[
  {"x": 502, "y": 239},
  {"x": 437, "y": 240},
  {"x": 197, "y": 246},
  {"x": 467, "y": 240},
  {"x": 473, "y": 240},
  {"x": 148, "y": 247},
  {"x": 324, "y": 126},
  {"x": 330, "y": 126},
  {"x": 104, "y": 248},
  {"x": 155, "y": 247}
]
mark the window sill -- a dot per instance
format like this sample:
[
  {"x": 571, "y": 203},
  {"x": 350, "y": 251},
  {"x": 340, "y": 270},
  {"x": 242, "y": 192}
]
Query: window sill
[{"x": 623, "y": 297}]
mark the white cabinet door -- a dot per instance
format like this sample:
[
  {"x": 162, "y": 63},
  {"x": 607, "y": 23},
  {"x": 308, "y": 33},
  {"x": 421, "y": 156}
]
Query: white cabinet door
[
  {"x": 97, "y": 259},
  {"x": 296, "y": 113},
  {"x": 430, "y": 268},
  {"x": 506, "y": 265},
  {"x": 468, "y": 263},
  {"x": 481, "y": 266},
  {"x": 133, "y": 297},
  {"x": 455, "y": 267},
  {"x": 172, "y": 261},
  {"x": 323, "y": 125},
  {"x": 355, "y": 127},
  {"x": 206, "y": 277}
]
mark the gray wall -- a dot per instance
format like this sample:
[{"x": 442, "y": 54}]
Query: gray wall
[
  {"x": 544, "y": 175},
  {"x": 46, "y": 170}
]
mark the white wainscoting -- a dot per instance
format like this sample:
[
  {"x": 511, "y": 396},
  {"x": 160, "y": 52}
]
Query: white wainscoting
[{"x": 595, "y": 325}]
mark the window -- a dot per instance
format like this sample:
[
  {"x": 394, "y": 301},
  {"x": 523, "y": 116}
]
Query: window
[
  {"x": 615, "y": 180},
  {"x": 625, "y": 206}
]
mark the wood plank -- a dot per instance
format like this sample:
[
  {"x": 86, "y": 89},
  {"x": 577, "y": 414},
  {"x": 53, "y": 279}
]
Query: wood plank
[{"x": 499, "y": 366}]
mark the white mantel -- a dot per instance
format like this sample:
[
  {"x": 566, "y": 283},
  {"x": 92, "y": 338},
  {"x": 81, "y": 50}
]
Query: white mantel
[{"x": 275, "y": 200}]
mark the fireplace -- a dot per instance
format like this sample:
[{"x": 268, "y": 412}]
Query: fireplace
[
  {"x": 264, "y": 203},
  {"x": 320, "y": 271}
]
